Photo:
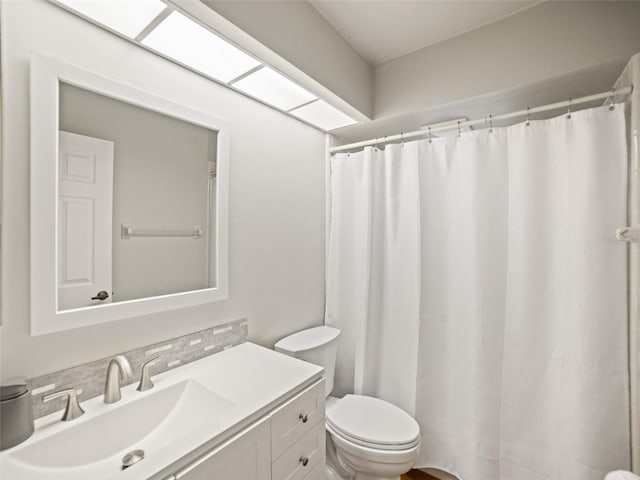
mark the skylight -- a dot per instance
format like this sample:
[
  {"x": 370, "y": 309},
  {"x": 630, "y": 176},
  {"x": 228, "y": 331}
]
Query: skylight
[
  {"x": 126, "y": 17},
  {"x": 189, "y": 43},
  {"x": 275, "y": 89},
  {"x": 323, "y": 115}
]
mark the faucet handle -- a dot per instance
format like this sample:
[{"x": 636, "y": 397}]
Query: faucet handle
[
  {"x": 145, "y": 378},
  {"x": 73, "y": 409}
]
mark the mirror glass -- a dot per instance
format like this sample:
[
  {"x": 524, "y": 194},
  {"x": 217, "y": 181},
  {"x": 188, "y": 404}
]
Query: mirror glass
[{"x": 136, "y": 202}]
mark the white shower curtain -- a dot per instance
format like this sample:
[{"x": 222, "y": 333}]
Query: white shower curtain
[{"x": 479, "y": 285}]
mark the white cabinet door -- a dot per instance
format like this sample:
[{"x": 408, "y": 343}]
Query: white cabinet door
[
  {"x": 85, "y": 193},
  {"x": 245, "y": 457}
]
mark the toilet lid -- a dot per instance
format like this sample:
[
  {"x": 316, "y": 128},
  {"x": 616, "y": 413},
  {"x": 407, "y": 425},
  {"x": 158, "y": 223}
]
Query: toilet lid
[
  {"x": 373, "y": 422},
  {"x": 306, "y": 340}
]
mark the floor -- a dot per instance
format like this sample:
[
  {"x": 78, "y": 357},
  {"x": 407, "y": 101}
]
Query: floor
[{"x": 417, "y": 475}]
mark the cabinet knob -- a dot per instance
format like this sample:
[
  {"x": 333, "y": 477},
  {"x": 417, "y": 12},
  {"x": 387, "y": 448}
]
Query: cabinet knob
[
  {"x": 304, "y": 417},
  {"x": 304, "y": 461}
]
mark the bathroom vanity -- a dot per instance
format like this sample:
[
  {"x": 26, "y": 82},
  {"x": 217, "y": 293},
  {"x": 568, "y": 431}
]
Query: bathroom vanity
[{"x": 247, "y": 412}]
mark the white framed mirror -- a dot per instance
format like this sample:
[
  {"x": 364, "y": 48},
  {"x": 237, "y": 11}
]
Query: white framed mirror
[{"x": 128, "y": 201}]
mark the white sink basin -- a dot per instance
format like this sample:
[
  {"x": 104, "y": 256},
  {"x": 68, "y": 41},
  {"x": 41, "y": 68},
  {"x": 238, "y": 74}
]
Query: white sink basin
[{"x": 151, "y": 422}]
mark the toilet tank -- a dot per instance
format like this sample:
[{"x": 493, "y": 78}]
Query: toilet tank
[{"x": 318, "y": 345}]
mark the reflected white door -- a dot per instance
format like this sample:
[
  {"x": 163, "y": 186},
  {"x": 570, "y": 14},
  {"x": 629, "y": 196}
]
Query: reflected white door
[{"x": 85, "y": 195}]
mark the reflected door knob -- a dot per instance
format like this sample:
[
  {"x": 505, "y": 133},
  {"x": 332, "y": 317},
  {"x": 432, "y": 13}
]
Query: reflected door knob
[{"x": 102, "y": 295}]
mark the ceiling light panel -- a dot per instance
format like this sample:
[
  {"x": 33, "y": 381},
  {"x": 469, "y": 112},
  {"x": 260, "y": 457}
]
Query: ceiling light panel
[
  {"x": 273, "y": 88},
  {"x": 323, "y": 115},
  {"x": 126, "y": 17},
  {"x": 187, "y": 42}
]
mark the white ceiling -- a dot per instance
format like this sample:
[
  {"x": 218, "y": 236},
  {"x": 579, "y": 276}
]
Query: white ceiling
[{"x": 381, "y": 30}]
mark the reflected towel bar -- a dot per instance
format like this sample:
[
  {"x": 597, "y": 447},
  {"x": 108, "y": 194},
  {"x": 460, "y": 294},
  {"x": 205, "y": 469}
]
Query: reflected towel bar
[
  {"x": 127, "y": 232},
  {"x": 629, "y": 234}
]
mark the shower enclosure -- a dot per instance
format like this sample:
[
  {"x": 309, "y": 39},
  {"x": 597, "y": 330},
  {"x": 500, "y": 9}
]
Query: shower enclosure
[{"x": 489, "y": 283}]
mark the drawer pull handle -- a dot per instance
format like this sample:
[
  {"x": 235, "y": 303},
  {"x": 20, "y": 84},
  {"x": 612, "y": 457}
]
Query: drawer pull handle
[
  {"x": 304, "y": 417},
  {"x": 304, "y": 461}
]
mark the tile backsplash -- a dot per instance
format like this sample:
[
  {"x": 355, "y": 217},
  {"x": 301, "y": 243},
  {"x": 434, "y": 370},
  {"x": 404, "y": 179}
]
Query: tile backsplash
[{"x": 89, "y": 378}]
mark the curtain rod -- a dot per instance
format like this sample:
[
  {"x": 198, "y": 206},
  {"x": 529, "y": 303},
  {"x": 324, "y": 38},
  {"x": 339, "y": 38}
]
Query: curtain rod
[{"x": 426, "y": 131}]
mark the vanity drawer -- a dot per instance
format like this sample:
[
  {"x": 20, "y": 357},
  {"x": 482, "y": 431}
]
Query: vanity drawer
[
  {"x": 318, "y": 472},
  {"x": 296, "y": 418},
  {"x": 299, "y": 461}
]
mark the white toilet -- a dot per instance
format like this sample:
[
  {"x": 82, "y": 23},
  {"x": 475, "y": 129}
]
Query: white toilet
[{"x": 368, "y": 438}]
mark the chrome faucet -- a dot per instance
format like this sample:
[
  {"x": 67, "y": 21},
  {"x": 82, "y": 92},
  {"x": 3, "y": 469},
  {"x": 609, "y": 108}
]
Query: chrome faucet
[{"x": 118, "y": 371}]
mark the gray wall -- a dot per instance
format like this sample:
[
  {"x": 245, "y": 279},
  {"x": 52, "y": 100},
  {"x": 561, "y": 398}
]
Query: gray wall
[
  {"x": 550, "y": 40},
  {"x": 276, "y": 190},
  {"x": 550, "y": 52}
]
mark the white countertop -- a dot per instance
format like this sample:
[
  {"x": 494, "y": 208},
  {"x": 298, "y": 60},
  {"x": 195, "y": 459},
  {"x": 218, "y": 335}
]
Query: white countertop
[{"x": 253, "y": 378}]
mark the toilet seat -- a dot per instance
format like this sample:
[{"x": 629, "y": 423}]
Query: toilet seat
[
  {"x": 372, "y": 451},
  {"x": 373, "y": 423}
]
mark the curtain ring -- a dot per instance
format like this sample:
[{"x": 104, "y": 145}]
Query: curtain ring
[
  {"x": 459, "y": 132},
  {"x": 490, "y": 123},
  {"x": 528, "y": 118},
  {"x": 401, "y": 139},
  {"x": 569, "y": 109},
  {"x": 612, "y": 105},
  {"x": 375, "y": 144},
  {"x": 429, "y": 130}
]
